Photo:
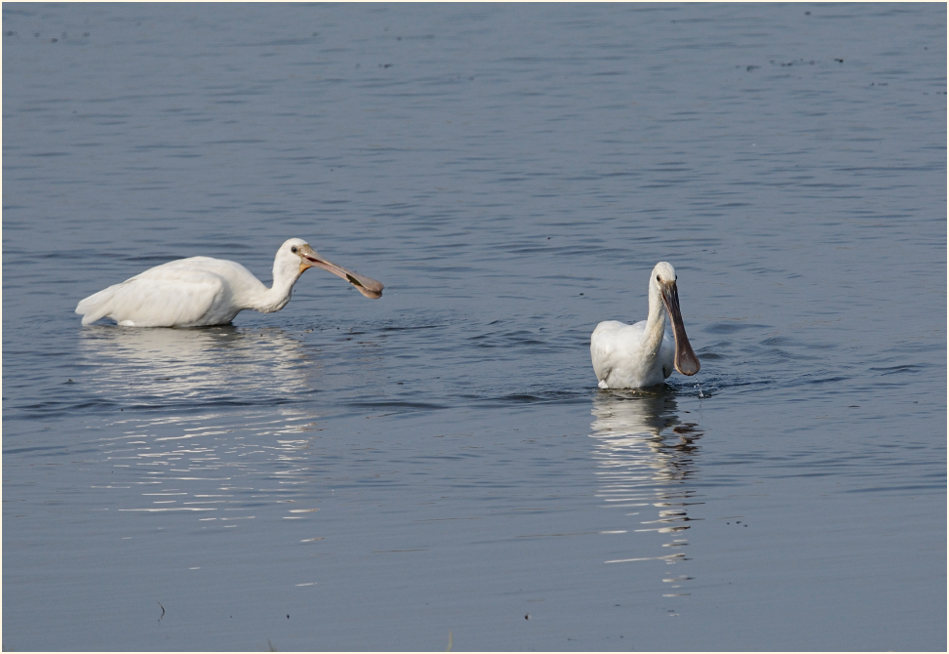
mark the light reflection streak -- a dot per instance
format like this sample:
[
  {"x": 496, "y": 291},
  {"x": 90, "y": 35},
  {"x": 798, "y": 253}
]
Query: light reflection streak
[
  {"x": 645, "y": 455},
  {"x": 211, "y": 423}
]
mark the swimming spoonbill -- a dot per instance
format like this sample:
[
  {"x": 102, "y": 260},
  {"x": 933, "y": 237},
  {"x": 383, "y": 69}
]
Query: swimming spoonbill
[
  {"x": 643, "y": 354},
  {"x": 204, "y": 291}
]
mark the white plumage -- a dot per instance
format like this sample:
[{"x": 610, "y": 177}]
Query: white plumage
[
  {"x": 204, "y": 291},
  {"x": 644, "y": 354}
]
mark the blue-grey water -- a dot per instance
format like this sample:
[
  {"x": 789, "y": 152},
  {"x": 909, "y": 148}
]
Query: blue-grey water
[{"x": 436, "y": 469}]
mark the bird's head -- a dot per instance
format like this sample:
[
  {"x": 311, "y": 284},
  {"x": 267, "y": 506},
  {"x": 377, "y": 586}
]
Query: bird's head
[
  {"x": 663, "y": 282},
  {"x": 298, "y": 253}
]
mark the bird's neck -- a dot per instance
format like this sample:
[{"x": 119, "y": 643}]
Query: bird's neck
[
  {"x": 276, "y": 297},
  {"x": 655, "y": 322}
]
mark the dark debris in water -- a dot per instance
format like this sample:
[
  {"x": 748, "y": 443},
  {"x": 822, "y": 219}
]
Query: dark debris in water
[{"x": 788, "y": 63}]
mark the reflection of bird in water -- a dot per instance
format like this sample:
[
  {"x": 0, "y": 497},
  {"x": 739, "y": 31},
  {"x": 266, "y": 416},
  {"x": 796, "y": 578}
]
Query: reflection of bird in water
[
  {"x": 163, "y": 364},
  {"x": 642, "y": 354},
  {"x": 203, "y": 291},
  {"x": 644, "y": 454},
  {"x": 643, "y": 428},
  {"x": 206, "y": 421}
]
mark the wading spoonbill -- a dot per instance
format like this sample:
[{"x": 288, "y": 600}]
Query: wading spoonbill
[
  {"x": 643, "y": 354},
  {"x": 204, "y": 291}
]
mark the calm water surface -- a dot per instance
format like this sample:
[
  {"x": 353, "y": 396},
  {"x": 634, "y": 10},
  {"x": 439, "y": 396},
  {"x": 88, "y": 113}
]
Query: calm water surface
[{"x": 436, "y": 469}]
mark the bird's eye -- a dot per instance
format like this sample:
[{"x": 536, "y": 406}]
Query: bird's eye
[
  {"x": 658, "y": 279},
  {"x": 294, "y": 249}
]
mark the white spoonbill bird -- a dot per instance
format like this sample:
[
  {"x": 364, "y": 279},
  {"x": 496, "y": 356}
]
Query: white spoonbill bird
[
  {"x": 643, "y": 354},
  {"x": 203, "y": 291}
]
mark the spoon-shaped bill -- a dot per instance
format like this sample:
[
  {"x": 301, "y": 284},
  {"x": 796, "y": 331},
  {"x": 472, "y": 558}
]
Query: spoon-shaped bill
[
  {"x": 365, "y": 285},
  {"x": 685, "y": 360}
]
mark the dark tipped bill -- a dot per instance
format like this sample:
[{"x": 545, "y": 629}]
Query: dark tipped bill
[
  {"x": 365, "y": 285},
  {"x": 685, "y": 360}
]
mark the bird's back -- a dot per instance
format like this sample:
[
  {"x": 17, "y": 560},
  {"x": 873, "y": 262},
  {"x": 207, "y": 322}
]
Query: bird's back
[{"x": 183, "y": 293}]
